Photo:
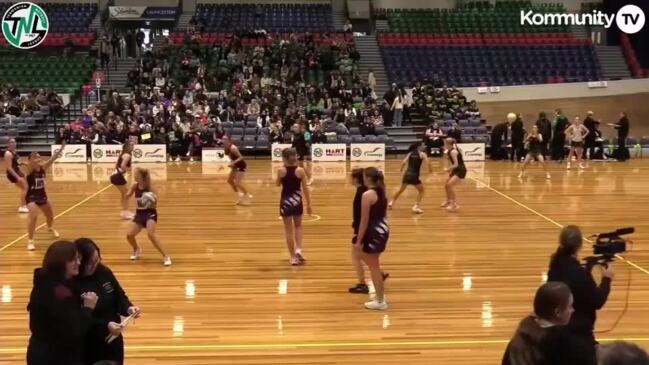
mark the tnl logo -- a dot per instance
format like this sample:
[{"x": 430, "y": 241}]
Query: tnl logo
[
  {"x": 25, "y": 25},
  {"x": 630, "y": 19}
]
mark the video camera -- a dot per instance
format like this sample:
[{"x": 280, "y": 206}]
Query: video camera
[{"x": 607, "y": 245}]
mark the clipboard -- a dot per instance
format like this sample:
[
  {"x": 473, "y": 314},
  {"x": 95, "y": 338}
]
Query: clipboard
[{"x": 110, "y": 338}]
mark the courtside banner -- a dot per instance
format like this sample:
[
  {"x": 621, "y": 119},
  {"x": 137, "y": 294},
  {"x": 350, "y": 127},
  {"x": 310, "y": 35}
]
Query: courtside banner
[
  {"x": 214, "y": 155},
  {"x": 70, "y": 172},
  {"x": 150, "y": 153},
  {"x": 367, "y": 152},
  {"x": 472, "y": 151},
  {"x": 106, "y": 152},
  {"x": 328, "y": 152},
  {"x": 71, "y": 153},
  {"x": 276, "y": 150}
]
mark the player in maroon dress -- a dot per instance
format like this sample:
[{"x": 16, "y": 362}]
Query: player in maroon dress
[
  {"x": 36, "y": 196},
  {"x": 293, "y": 181},
  {"x": 14, "y": 175},
  {"x": 146, "y": 215},
  {"x": 123, "y": 167},
  {"x": 238, "y": 168}
]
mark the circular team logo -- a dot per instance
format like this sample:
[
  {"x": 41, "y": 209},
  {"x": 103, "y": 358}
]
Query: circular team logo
[
  {"x": 356, "y": 152},
  {"x": 277, "y": 152},
  {"x": 317, "y": 152},
  {"x": 25, "y": 25},
  {"x": 98, "y": 153},
  {"x": 630, "y": 19},
  {"x": 137, "y": 153}
]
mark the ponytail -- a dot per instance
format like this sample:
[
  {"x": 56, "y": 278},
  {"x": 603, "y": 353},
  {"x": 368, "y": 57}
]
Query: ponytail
[{"x": 376, "y": 177}]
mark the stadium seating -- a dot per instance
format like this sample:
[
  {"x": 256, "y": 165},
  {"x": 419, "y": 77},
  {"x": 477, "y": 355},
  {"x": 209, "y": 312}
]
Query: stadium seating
[
  {"x": 631, "y": 58},
  {"x": 219, "y": 38},
  {"x": 62, "y": 74},
  {"x": 282, "y": 18}
]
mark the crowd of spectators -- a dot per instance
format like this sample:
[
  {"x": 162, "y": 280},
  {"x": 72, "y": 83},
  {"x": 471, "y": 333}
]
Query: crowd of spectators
[
  {"x": 176, "y": 100},
  {"x": 14, "y": 104}
]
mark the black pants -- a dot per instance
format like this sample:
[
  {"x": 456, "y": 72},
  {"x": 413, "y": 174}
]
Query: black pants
[
  {"x": 518, "y": 151},
  {"x": 621, "y": 152},
  {"x": 558, "y": 150},
  {"x": 589, "y": 147},
  {"x": 497, "y": 151}
]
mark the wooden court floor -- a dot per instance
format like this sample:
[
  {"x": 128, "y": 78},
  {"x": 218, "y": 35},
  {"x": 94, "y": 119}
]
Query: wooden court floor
[{"x": 459, "y": 282}]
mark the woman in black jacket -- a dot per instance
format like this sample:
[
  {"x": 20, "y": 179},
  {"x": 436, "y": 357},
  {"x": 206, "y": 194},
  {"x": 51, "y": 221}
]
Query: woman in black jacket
[
  {"x": 113, "y": 302},
  {"x": 589, "y": 297},
  {"x": 59, "y": 315}
]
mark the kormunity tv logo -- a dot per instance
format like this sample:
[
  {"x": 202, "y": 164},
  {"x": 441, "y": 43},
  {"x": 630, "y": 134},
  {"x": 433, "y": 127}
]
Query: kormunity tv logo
[
  {"x": 25, "y": 25},
  {"x": 630, "y": 19}
]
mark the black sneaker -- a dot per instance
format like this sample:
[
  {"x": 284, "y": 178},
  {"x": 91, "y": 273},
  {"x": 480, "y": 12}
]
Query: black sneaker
[{"x": 359, "y": 289}]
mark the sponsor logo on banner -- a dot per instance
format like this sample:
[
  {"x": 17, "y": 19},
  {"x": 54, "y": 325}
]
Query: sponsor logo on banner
[
  {"x": 142, "y": 12},
  {"x": 106, "y": 153},
  {"x": 472, "y": 151},
  {"x": 214, "y": 155},
  {"x": 70, "y": 172},
  {"x": 150, "y": 153},
  {"x": 367, "y": 152},
  {"x": 25, "y": 25},
  {"x": 276, "y": 150},
  {"x": 71, "y": 153},
  {"x": 329, "y": 152},
  {"x": 215, "y": 168}
]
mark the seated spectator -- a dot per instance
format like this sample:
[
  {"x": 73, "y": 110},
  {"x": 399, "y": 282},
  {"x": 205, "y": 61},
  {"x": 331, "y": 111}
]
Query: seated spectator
[{"x": 434, "y": 140}]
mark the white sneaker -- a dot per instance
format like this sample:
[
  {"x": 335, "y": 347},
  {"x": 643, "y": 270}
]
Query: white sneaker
[
  {"x": 135, "y": 255},
  {"x": 547, "y": 175},
  {"x": 54, "y": 233},
  {"x": 568, "y": 166},
  {"x": 452, "y": 207},
  {"x": 309, "y": 182},
  {"x": 444, "y": 204},
  {"x": 520, "y": 175},
  {"x": 245, "y": 200},
  {"x": 31, "y": 246},
  {"x": 581, "y": 166},
  {"x": 390, "y": 204},
  {"x": 23, "y": 209},
  {"x": 417, "y": 209},
  {"x": 167, "y": 261},
  {"x": 376, "y": 305}
]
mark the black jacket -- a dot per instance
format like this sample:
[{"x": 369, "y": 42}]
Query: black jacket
[
  {"x": 556, "y": 345},
  {"x": 112, "y": 303},
  {"x": 57, "y": 320},
  {"x": 518, "y": 132},
  {"x": 587, "y": 295}
]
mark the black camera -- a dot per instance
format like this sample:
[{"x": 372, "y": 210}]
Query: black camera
[{"x": 607, "y": 245}]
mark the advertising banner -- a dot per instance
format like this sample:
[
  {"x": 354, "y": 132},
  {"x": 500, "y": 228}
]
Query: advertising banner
[
  {"x": 142, "y": 12},
  {"x": 150, "y": 153},
  {"x": 106, "y": 152},
  {"x": 329, "y": 152},
  {"x": 367, "y": 152},
  {"x": 276, "y": 150},
  {"x": 472, "y": 151},
  {"x": 214, "y": 155},
  {"x": 71, "y": 153}
]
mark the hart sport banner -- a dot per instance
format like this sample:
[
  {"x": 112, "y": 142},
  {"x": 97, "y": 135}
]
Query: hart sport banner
[{"x": 329, "y": 152}]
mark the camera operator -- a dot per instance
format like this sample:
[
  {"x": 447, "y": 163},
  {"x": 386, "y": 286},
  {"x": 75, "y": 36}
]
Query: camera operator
[{"x": 588, "y": 297}]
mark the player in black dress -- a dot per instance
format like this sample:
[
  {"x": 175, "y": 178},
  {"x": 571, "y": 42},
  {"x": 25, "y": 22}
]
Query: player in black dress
[
  {"x": 373, "y": 232},
  {"x": 146, "y": 215},
  {"x": 457, "y": 173},
  {"x": 357, "y": 181},
  {"x": 36, "y": 196},
  {"x": 14, "y": 175},
  {"x": 123, "y": 167},
  {"x": 413, "y": 160},
  {"x": 301, "y": 145},
  {"x": 238, "y": 169},
  {"x": 292, "y": 179},
  {"x": 534, "y": 145}
]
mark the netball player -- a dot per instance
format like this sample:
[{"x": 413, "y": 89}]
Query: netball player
[
  {"x": 534, "y": 142},
  {"x": 238, "y": 168},
  {"x": 414, "y": 160},
  {"x": 576, "y": 134},
  {"x": 146, "y": 216},
  {"x": 36, "y": 197},
  {"x": 457, "y": 173},
  {"x": 14, "y": 175},
  {"x": 300, "y": 145},
  {"x": 122, "y": 167},
  {"x": 292, "y": 179},
  {"x": 357, "y": 181},
  {"x": 373, "y": 232}
]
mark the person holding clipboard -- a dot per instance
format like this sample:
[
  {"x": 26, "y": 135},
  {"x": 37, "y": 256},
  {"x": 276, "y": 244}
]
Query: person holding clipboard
[{"x": 104, "y": 341}]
